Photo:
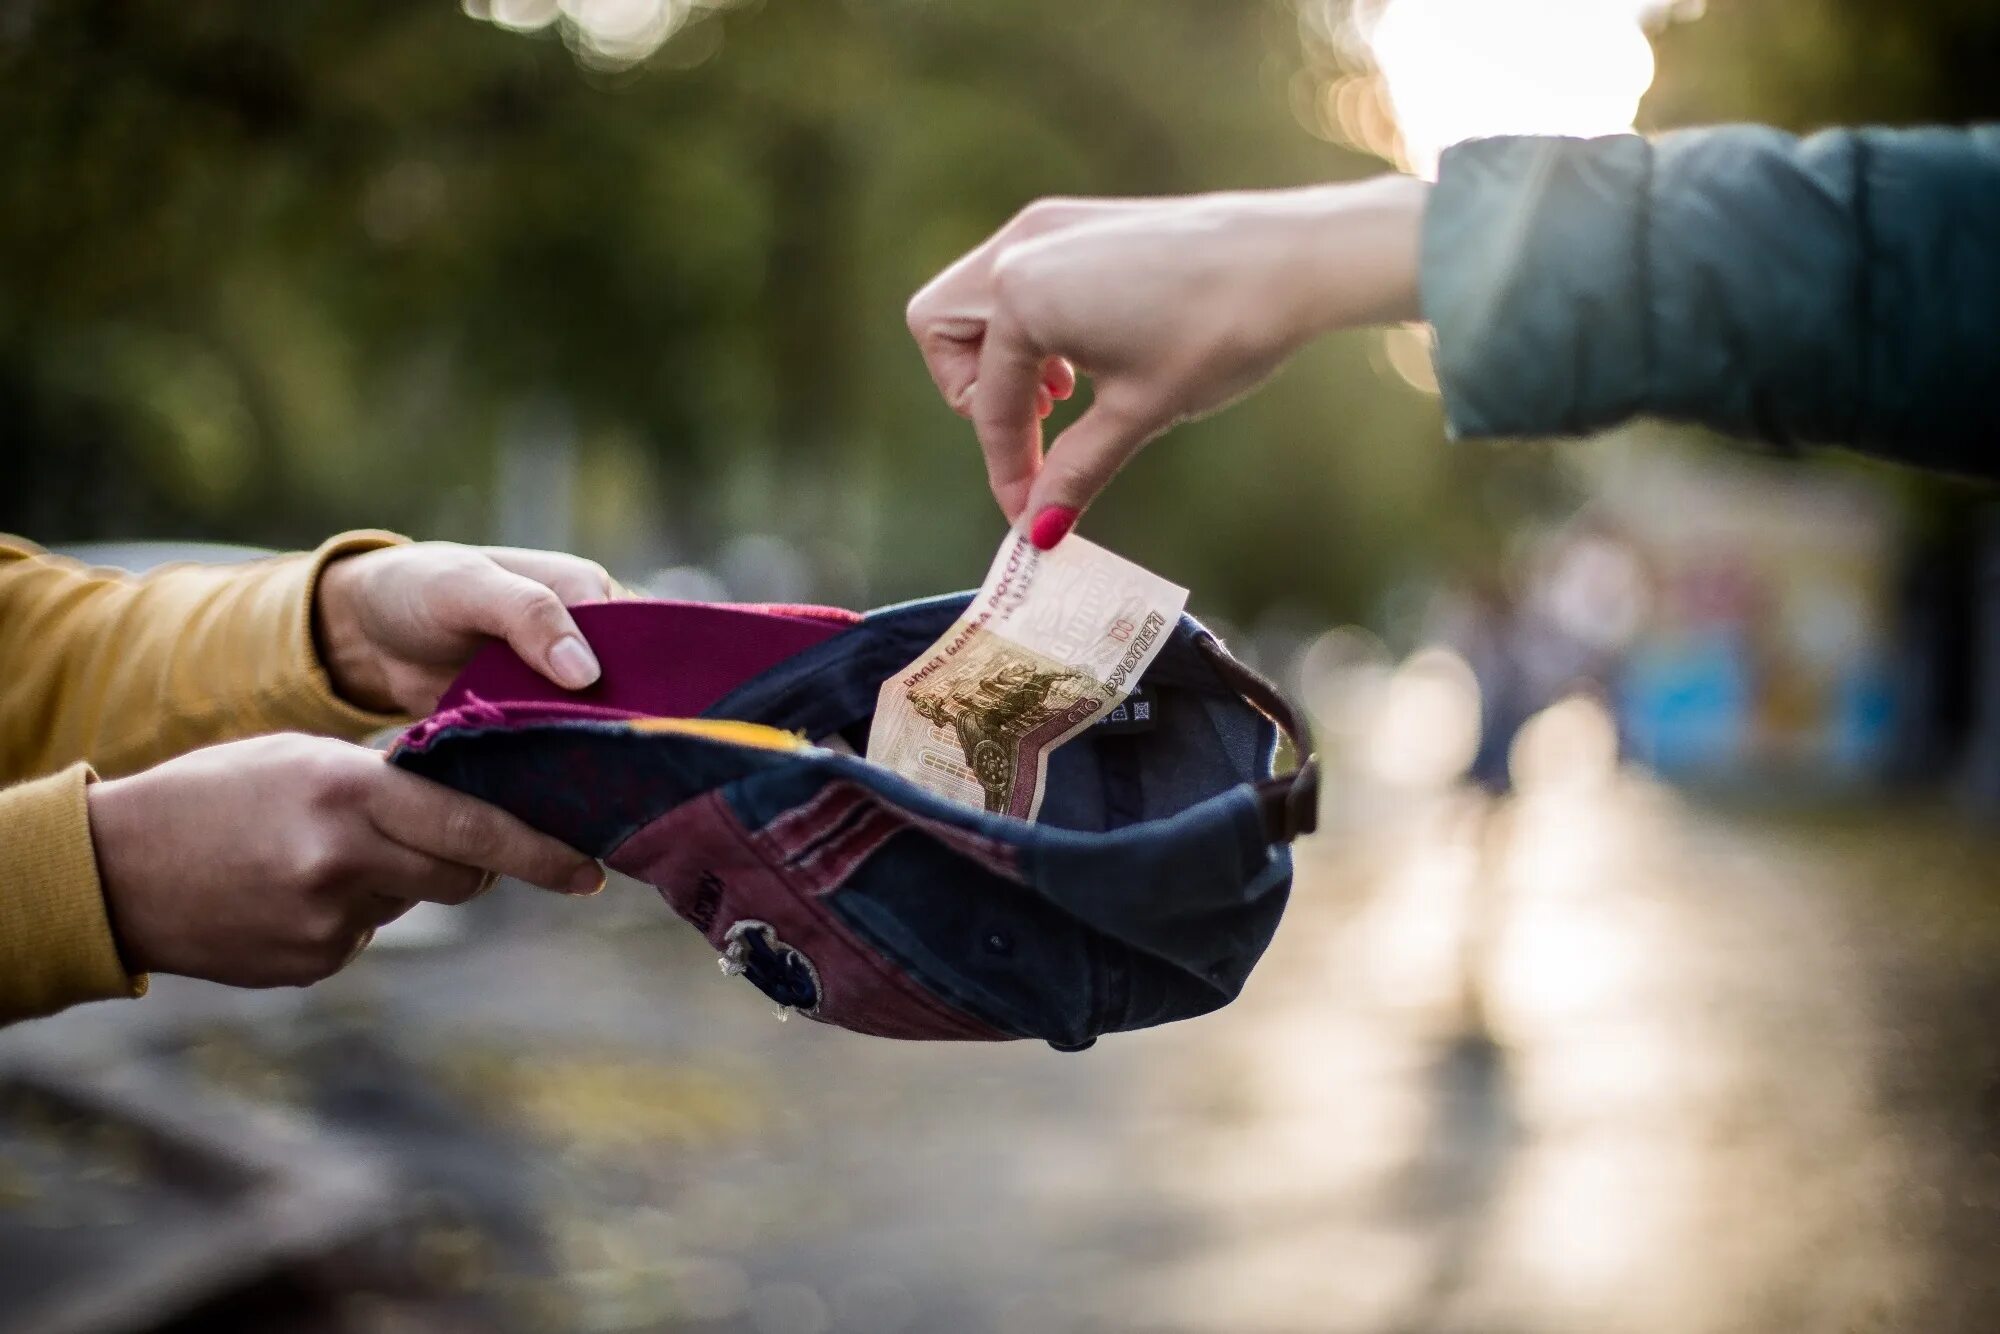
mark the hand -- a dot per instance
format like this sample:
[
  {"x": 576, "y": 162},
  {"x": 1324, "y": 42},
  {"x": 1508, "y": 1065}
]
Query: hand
[
  {"x": 1173, "y": 307},
  {"x": 270, "y": 862},
  {"x": 394, "y": 626}
]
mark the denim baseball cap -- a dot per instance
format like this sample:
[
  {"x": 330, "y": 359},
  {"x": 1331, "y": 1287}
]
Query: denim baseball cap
[{"x": 718, "y": 760}]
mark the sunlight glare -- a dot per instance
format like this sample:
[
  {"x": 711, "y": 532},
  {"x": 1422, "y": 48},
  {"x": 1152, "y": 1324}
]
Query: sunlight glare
[
  {"x": 1465, "y": 69},
  {"x": 605, "y": 34}
]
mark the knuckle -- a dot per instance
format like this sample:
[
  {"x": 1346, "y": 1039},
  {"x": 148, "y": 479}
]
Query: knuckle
[
  {"x": 464, "y": 831},
  {"x": 325, "y": 929},
  {"x": 293, "y": 753},
  {"x": 330, "y": 775},
  {"x": 447, "y": 557},
  {"x": 456, "y": 888},
  {"x": 317, "y": 864},
  {"x": 286, "y": 746},
  {"x": 1013, "y": 269},
  {"x": 1038, "y": 214},
  {"x": 532, "y": 603},
  {"x": 1018, "y": 281},
  {"x": 1062, "y": 479}
]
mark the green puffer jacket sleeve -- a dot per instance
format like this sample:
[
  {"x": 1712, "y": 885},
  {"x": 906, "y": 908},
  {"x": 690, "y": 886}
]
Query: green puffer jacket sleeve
[{"x": 1840, "y": 289}]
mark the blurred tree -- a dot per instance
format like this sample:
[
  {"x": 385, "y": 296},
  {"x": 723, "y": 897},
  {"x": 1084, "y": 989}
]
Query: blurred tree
[
  {"x": 270, "y": 270},
  {"x": 1806, "y": 64}
]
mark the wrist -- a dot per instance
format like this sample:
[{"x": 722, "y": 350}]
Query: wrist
[
  {"x": 340, "y": 638},
  {"x": 114, "y": 837},
  {"x": 1354, "y": 252}
]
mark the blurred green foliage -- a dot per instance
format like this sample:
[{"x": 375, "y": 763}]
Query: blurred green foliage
[
  {"x": 271, "y": 270},
  {"x": 1808, "y": 64}
]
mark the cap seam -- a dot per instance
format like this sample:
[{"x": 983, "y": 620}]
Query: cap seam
[{"x": 903, "y": 984}]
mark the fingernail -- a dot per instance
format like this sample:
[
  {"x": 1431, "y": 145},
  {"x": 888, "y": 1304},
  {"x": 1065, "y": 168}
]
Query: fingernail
[
  {"x": 573, "y": 663},
  {"x": 1045, "y": 403},
  {"x": 588, "y": 881},
  {"x": 1052, "y": 525}
]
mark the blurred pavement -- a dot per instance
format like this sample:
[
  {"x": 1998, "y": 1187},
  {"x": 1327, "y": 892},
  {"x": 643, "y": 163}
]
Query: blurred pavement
[{"x": 1736, "y": 1073}]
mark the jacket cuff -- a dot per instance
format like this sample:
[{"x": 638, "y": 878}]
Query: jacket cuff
[
  {"x": 305, "y": 700},
  {"x": 1533, "y": 277},
  {"x": 56, "y": 946}
]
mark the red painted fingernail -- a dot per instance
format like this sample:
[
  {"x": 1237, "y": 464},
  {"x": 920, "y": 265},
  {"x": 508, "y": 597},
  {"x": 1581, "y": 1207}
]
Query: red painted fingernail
[
  {"x": 1045, "y": 403},
  {"x": 1052, "y": 525}
]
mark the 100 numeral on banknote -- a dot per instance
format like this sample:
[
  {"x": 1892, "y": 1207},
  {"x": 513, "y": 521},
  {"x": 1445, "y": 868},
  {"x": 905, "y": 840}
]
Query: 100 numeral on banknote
[{"x": 1052, "y": 641}]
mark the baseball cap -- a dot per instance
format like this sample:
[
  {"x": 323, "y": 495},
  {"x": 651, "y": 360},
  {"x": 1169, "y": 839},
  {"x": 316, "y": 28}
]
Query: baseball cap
[{"x": 719, "y": 760}]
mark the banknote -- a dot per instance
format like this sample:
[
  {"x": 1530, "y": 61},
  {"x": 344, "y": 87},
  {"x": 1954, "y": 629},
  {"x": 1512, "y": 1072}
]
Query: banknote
[{"x": 1052, "y": 642}]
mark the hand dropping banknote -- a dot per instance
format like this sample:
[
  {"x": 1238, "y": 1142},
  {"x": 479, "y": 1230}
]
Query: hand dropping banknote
[{"x": 1050, "y": 644}]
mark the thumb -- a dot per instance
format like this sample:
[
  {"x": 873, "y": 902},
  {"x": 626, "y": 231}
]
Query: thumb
[
  {"x": 1080, "y": 464},
  {"x": 531, "y": 618}
]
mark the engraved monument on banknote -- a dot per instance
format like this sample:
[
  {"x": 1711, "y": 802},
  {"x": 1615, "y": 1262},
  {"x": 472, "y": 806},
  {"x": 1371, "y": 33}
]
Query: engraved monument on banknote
[
  {"x": 999, "y": 705},
  {"x": 1050, "y": 643}
]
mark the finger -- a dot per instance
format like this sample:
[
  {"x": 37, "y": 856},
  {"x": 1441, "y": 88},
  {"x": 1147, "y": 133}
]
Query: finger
[
  {"x": 1045, "y": 402},
  {"x": 1003, "y": 415},
  {"x": 949, "y": 316},
  {"x": 530, "y": 616},
  {"x": 404, "y": 865},
  {"x": 951, "y": 355},
  {"x": 572, "y": 578},
  {"x": 431, "y": 818},
  {"x": 1059, "y": 377},
  {"x": 1080, "y": 464},
  {"x": 405, "y": 876},
  {"x": 948, "y": 320}
]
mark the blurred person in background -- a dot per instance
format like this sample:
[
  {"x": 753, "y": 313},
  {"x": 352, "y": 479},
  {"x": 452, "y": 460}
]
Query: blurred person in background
[
  {"x": 1838, "y": 289},
  {"x": 252, "y": 862}
]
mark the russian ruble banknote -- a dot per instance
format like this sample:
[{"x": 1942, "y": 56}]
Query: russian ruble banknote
[{"x": 1051, "y": 643}]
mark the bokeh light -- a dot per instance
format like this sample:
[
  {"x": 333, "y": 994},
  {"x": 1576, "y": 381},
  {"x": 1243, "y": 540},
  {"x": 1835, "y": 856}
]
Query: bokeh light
[
  {"x": 1573, "y": 742},
  {"x": 1426, "y": 74},
  {"x": 1428, "y": 727},
  {"x": 1462, "y": 69},
  {"x": 606, "y": 34}
]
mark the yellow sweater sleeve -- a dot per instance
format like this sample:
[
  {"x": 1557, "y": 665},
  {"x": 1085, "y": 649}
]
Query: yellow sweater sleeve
[
  {"x": 55, "y": 939},
  {"x": 107, "y": 671}
]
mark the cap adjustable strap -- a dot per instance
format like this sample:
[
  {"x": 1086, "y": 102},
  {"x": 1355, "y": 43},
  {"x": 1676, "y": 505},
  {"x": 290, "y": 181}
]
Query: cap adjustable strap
[{"x": 1290, "y": 802}]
